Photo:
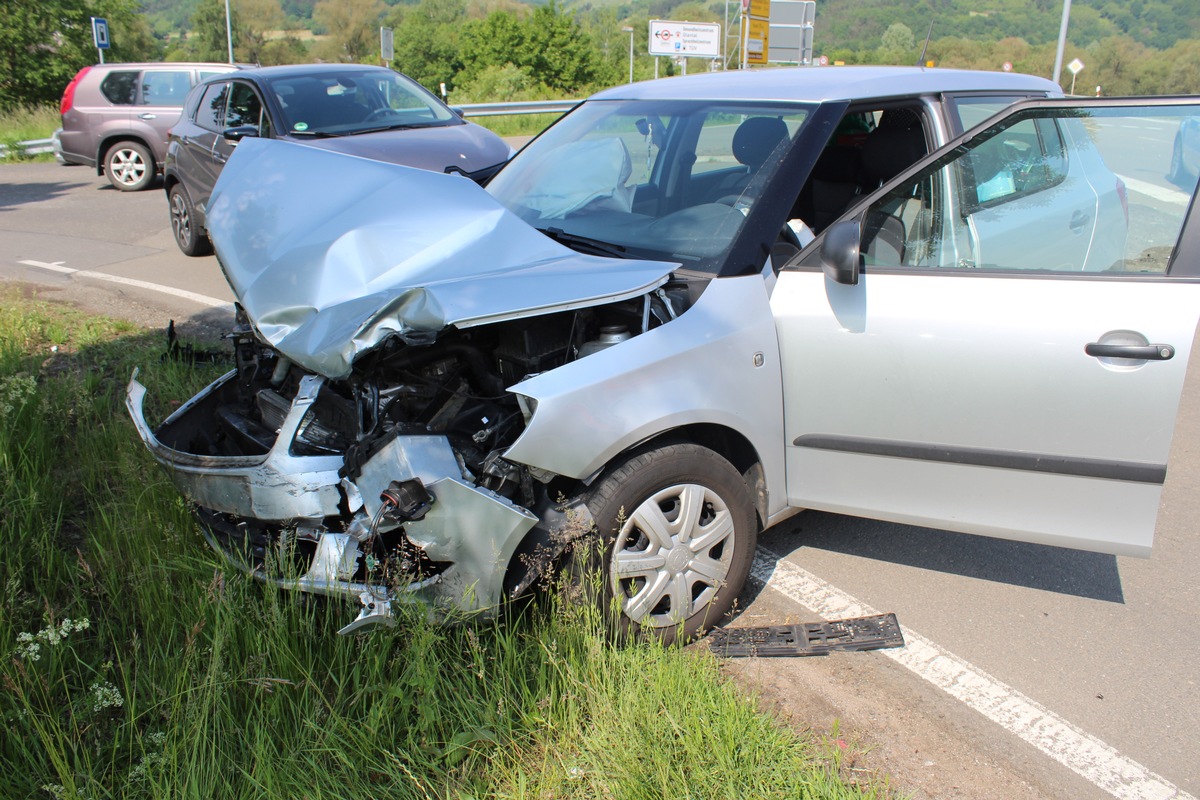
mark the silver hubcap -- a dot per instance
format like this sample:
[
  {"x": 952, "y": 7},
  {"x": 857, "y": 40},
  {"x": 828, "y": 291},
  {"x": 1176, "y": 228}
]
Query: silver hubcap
[
  {"x": 127, "y": 167},
  {"x": 179, "y": 220},
  {"x": 672, "y": 555}
]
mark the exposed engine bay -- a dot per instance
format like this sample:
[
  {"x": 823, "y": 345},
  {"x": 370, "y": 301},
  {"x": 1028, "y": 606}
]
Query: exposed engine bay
[{"x": 396, "y": 482}]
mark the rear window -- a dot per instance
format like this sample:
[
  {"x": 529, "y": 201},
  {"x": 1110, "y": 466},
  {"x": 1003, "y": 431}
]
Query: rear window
[{"x": 120, "y": 88}]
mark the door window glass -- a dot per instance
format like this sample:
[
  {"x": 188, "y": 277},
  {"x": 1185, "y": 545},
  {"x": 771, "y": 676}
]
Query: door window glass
[
  {"x": 1047, "y": 190},
  {"x": 971, "y": 111},
  {"x": 244, "y": 107},
  {"x": 165, "y": 87},
  {"x": 210, "y": 114},
  {"x": 120, "y": 87}
]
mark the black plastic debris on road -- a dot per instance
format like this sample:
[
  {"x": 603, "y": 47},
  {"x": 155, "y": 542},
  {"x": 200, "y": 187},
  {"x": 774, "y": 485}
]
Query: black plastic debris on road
[{"x": 809, "y": 638}]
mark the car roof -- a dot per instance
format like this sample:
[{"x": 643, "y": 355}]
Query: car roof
[
  {"x": 312, "y": 69},
  {"x": 117, "y": 65},
  {"x": 818, "y": 84}
]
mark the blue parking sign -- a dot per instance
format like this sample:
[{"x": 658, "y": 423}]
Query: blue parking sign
[{"x": 100, "y": 32}]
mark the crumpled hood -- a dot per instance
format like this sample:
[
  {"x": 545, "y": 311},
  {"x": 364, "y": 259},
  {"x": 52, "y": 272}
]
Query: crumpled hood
[{"x": 331, "y": 254}]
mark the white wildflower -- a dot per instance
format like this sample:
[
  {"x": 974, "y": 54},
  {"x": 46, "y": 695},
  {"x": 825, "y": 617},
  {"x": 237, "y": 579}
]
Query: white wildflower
[
  {"x": 105, "y": 695},
  {"x": 29, "y": 645}
]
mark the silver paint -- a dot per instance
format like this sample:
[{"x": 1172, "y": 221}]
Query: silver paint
[{"x": 389, "y": 250}]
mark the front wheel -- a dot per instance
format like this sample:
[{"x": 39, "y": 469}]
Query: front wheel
[
  {"x": 678, "y": 531},
  {"x": 190, "y": 239},
  {"x": 129, "y": 166},
  {"x": 1177, "y": 174}
]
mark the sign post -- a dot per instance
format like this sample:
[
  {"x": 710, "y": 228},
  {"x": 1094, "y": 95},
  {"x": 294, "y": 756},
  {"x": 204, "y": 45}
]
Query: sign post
[
  {"x": 1075, "y": 67},
  {"x": 684, "y": 40},
  {"x": 387, "y": 45},
  {"x": 100, "y": 35},
  {"x": 756, "y": 17}
]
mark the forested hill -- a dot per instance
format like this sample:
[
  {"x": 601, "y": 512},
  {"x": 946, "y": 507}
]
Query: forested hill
[{"x": 859, "y": 25}]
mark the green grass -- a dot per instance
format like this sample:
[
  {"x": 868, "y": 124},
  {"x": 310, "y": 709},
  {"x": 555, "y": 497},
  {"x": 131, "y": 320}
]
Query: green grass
[
  {"x": 516, "y": 124},
  {"x": 134, "y": 664},
  {"x": 26, "y": 124}
]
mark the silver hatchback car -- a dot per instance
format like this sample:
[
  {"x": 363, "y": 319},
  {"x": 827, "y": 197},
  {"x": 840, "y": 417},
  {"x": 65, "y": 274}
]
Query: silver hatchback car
[{"x": 688, "y": 310}]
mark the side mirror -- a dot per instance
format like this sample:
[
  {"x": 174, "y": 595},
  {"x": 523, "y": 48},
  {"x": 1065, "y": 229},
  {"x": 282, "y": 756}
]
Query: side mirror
[
  {"x": 840, "y": 252},
  {"x": 235, "y": 135},
  {"x": 458, "y": 111}
]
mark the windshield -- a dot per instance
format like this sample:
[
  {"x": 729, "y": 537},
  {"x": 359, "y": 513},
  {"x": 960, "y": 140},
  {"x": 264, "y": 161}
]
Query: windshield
[
  {"x": 669, "y": 180},
  {"x": 340, "y": 104}
]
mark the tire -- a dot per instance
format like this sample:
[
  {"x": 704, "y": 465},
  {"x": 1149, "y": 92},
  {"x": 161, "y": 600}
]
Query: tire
[
  {"x": 191, "y": 240},
  {"x": 1177, "y": 174},
  {"x": 665, "y": 573},
  {"x": 129, "y": 166}
]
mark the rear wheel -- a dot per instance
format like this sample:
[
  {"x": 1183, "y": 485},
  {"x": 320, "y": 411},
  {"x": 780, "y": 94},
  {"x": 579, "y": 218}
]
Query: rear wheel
[
  {"x": 129, "y": 166},
  {"x": 187, "y": 235},
  {"x": 678, "y": 534}
]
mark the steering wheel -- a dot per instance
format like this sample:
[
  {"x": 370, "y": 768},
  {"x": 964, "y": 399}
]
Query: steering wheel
[{"x": 380, "y": 113}]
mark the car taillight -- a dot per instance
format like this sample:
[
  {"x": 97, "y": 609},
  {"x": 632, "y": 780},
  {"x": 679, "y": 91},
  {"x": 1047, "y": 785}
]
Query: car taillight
[
  {"x": 68, "y": 98},
  {"x": 1124, "y": 195}
]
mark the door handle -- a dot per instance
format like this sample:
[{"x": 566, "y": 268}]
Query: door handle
[
  {"x": 147, "y": 115},
  {"x": 1144, "y": 352},
  {"x": 1078, "y": 221}
]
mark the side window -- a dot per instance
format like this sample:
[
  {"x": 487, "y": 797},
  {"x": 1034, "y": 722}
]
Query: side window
[
  {"x": 120, "y": 88},
  {"x": 1026, "y": 158},
  {"x": 165, "y": 87},
  {"x": 868, "y": 148},
  {"x": 244, "y": 107},
  {"x": 1048, "y": 190},
  {"x": 970, "y": 111},
  {"x": 210, "y": 114}
]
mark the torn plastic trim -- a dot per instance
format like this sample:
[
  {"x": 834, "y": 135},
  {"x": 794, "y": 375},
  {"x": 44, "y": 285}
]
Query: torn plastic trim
[{"x": 376, "y": 601}]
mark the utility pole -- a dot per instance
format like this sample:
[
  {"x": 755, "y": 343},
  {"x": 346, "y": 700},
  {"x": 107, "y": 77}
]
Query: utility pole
[
  {"x": 228, "y": 31},
  {"x": 629, "y": 30},
  {"x": 1062, "y": 40}
]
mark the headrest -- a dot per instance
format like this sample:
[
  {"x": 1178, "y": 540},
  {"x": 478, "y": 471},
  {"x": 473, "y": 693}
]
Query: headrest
[
  {"x": 888, "y": 150},
  {"x": 756, "y": 137}
]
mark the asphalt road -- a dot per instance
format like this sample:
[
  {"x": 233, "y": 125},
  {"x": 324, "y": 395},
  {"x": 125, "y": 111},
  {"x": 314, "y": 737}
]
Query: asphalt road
[{"x": 1104, "y": 646}]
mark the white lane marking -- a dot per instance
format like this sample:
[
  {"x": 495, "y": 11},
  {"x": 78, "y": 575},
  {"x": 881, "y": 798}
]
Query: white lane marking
[
  {"x": 1174, "y": 196},
  {"x": 1076, "y": 749},
  {"x": 202, "y": 299}
]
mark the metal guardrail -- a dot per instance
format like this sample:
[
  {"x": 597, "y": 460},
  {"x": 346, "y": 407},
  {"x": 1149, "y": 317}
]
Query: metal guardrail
[
  {"x": 32, "y": 147},
  {"x": 36, "y": 146},
  {"x": 528, "y": 107}
]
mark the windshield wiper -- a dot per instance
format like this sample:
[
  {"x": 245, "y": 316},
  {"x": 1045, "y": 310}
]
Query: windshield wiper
[
  {"x": 400, "y": 126},
  {"x": 584, "y": 243}
]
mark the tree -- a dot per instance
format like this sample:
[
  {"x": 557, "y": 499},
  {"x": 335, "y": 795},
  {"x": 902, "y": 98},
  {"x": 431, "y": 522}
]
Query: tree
[
  {"x": 353, "y": 27},
  {"x": 898, "y": 45},
  {"x": 43, "y": 43},
  {"x": 208, "y": 39},
  {"x": 427, "y": 40},
  {"x": 550, "y": 46},
  {"x": 257, "y": 17}
]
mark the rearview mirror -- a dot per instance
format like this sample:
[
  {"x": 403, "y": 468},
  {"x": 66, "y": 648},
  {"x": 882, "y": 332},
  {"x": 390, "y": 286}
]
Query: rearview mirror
[{"x": 840, "y": 252}]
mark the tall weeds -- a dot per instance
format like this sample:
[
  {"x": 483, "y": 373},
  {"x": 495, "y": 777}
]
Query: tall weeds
[{"x": 133, "y": 664}]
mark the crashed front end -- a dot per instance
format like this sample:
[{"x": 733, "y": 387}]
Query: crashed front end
[{"x": 358, "y": 448}]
